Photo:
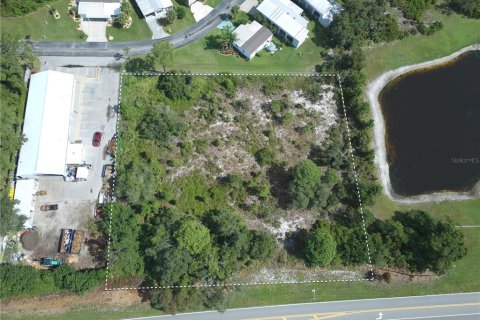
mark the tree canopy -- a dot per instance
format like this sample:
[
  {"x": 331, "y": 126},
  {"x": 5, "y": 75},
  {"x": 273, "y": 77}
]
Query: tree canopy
[{"x": 320, "y": 247}]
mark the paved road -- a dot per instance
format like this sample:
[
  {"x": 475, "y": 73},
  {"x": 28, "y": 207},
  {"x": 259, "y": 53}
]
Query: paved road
[
  {"x": 111, "y": 49},
  {"x": 436, "y": 307}
]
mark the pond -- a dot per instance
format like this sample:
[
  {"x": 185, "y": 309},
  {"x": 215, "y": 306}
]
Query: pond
[{"x": 432, "y": 127}]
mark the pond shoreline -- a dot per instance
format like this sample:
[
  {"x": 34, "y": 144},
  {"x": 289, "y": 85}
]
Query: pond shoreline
[{"x": 372, "y": 92}]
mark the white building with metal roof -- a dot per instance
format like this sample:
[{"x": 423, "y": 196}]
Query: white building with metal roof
[
  {"x": 157, "y": 8},
  {"x": 99, "y": 10},
  {"x": 25, "y": 199},
  {"x": 286, "y": 16},
  {"x": 251, "y": 38},
  {"x": 46, "y": 126},
  {"x": 322, "y": 10}
]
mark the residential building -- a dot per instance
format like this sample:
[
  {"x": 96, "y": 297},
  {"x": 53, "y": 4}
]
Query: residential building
[
  {"x": 286, "y": 16},
  {"x": 322, "y": 10},
  {"x": 99, "y": 10},
  {"x": 157, "y": 8},
  {"x": 251, "y": 38}
]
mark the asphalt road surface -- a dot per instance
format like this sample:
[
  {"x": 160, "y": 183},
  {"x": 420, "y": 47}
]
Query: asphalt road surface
[
  {"x": 111, "y": 49},
  {"x": 435, "y": 307}
]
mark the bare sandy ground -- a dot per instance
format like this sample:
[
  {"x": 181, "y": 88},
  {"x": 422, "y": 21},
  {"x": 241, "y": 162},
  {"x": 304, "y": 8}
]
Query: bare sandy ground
[{"x": 373, "y": 90}]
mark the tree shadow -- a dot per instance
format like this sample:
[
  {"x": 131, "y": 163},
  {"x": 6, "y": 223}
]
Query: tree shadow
[
  {"x": 213, "y": 42},
  {"x": 96, "y": 248},
  {"x": 279, "y": 179},
  {"x": 137, "y": 65},
  {"x": 294, "y": 242}
]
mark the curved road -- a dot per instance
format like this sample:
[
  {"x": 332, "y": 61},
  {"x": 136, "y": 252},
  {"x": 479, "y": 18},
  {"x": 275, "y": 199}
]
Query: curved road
[
  {"x": 463, "y": 306},
  {"x": 112, "y": 49}
]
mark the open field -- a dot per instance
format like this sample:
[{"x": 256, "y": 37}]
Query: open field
[
  {"x": 206, "y": 59},
  {"x": 458, "y": 32},
  {"x": 34, "y": 25}
]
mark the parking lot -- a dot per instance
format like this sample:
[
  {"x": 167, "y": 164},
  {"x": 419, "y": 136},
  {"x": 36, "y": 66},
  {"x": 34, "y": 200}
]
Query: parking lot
[{"x": 94, "y": 110}]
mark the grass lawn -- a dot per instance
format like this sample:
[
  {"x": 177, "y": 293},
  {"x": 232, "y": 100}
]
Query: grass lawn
[
  {"x": 180, "y": 24},
  {"x": 212, "y": 3},
  {"x": 33, "y": 24},
  {"x": 137, "y": 32},
  {"x": 458, "y": 32},
  {"x": 196, "y": 57}
]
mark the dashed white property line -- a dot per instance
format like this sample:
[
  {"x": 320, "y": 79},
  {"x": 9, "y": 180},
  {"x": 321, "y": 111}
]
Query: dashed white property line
[
  {"x": 352, "y": 157},
  {"x": 237, "y": 284}
]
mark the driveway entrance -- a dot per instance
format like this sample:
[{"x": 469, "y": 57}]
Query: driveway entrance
[{"x": 95, "y": 30}]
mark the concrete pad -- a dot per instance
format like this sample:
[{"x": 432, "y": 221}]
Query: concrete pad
[
  {"x": 95, "y": 30},
  {"x": 200, "y": 10},
  {"x": 156, "y": 28}
]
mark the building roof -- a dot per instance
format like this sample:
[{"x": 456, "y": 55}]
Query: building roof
[
  {"x": 287, "y": 16},
  {"x": 94, "y": 9},
  {"x": 24, "y": 194},
  {"x": 326, "y": 9},
  {"x": 251, "y": 36},
  {"x": 46, "y": 125},
  {"x": 149, "y": 6}
]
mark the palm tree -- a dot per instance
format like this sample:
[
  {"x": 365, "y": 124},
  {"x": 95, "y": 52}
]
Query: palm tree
[{"x": 227, "y": 37}]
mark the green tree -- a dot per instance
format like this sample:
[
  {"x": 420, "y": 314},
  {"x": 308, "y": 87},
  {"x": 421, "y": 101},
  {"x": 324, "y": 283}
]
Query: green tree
[
  {"x": 171, "y": 16},
  {"x": 227, "y": 37},
  {"x": 470, "y": 8},
  {"x": 161, "y": 124},
  {"x": 320, "y": 247},
  {"x": 308, "y": 187},
  {"x": 235, "y": 11},
  {"x": 193, "y": 237},
  {"x": 161, "y": 55},
  {"x": 262, "y": 245},
  {"x": 432, "y": 244},
  {"x": 175, "y": 86},
  {"x": 265, "y": 156},
  {"x": 230, "y": 235},
  {"x": 11, "y": 220},
  {"x": 305, "y": 179}
]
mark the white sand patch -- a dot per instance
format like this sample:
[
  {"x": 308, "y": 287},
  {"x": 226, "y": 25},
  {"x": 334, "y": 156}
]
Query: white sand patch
[
  {"x": 291, "y": 275},
  {"x": 255, "y": 102},
  {"x": 287, "y": 225},
  {"x": 325, "y": 108},
  {"x": 373, "y": 90}
]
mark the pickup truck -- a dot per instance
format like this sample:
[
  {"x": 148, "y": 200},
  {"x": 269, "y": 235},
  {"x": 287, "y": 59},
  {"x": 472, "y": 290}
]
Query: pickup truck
[{"x": 49, "y": 207}]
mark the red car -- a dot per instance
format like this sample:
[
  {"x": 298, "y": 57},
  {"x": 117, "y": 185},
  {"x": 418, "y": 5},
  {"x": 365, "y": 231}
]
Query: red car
[{"x": 97, "y": 137}]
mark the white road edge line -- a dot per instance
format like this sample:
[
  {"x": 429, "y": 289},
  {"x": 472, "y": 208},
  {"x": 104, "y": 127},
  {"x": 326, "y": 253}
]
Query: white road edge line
[{"x": 440, "y": 316}]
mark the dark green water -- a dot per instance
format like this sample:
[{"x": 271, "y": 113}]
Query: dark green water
[{"x": 432, "y": 120}]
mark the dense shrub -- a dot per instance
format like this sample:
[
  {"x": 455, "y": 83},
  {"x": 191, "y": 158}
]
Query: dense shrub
[
  {"x": 320, "y": 247},
  {"x": 470, "y": 8},
  {"x": 363, "y": 20},
  {"x": 20, "y": 8}
]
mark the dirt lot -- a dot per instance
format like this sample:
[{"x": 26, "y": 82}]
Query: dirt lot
[{"x": 63, "y": 302}]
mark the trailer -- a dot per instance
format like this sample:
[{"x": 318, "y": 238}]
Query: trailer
[{"x": 71, "y": 241}]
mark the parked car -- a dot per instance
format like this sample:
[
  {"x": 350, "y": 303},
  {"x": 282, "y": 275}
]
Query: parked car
[
  {"x": 49, "y": 207},
  {"x": 97, "y": 137}
]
